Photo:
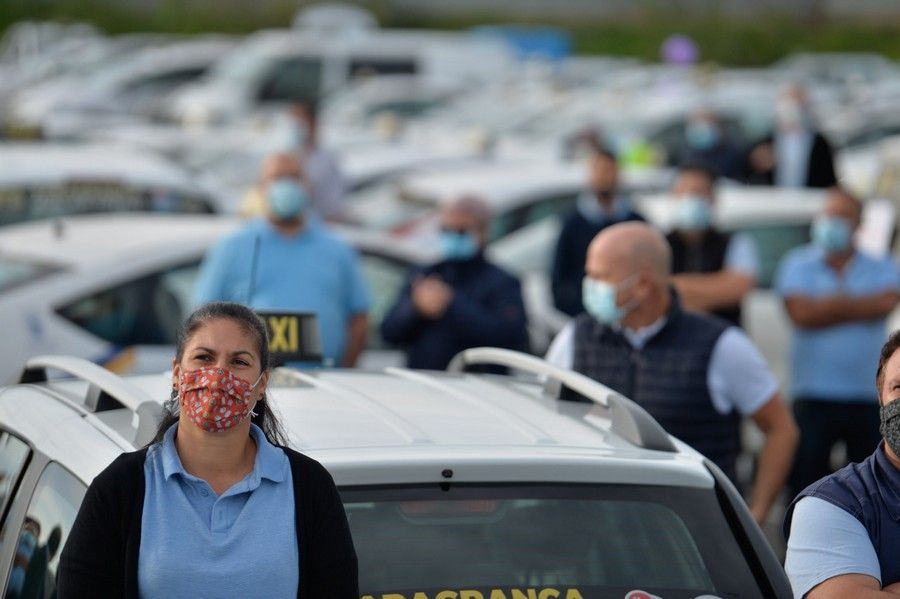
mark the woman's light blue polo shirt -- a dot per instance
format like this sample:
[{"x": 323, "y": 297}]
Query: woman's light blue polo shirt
[{"x": 197, "y": 544}]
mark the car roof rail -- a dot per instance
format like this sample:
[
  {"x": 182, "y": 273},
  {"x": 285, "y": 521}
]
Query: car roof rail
[
  {"x": 629, "y": 420},
  {"x": 106, "y": 390}
]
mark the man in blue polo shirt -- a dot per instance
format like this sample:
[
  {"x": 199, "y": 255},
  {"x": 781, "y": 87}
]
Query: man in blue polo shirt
[
  {"x": 838, "y": 300},
  {"x": 844, "y": 530},
  {"x": 290, "y": 261}
]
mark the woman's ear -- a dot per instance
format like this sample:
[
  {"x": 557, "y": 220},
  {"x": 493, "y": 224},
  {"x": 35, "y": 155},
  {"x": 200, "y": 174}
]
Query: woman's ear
[
  {"x": 176, "y": 373},
  {"x": 264, "y": 383}
]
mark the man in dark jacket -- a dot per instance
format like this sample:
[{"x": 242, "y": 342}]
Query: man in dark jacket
[
  {"x": 598, "y": 207},
  {"x": 462, "y": 301},
  {"x": 797, "y": 155},
  {"x": 713, "y": 271}
]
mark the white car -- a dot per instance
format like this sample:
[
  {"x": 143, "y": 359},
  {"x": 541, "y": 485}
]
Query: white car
[
  {"x": 456, "y": 486},
  {"x": 518, "y": 192},
  {"x": 39, "y": 181},
  {"x": 114, "y": 288},
  {"x": 126, "y": 88},
  {"x": 278, "y": 66}
]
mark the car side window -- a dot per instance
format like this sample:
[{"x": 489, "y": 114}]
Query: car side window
[
  {"x": 144, "y": 311},
  {"x": 14, "y": 454},
  {"x": 385, "y": 278},
  {"x": 772, "y": 243},
  {"x": 292, "y": 78},
  {"x": 534, "y": 211},
  {"x": 49, "y": 519}
]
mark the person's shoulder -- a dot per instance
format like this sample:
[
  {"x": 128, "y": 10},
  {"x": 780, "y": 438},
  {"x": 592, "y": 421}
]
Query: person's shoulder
[
  {"x": 703, "y": 321},
  {"x": 634, "y": 215},
  {"x": 306, "y": 468},
  {"x": 802, "y": 255},
  {"x": 883, "y": 263},
  {"x": 123, "y": 471},
  {"x": 572, "y": 218},
  {"x": 500, "y": 274},
  {"x": 330, "y": 241},
  {"x": 245, "y": 233}
]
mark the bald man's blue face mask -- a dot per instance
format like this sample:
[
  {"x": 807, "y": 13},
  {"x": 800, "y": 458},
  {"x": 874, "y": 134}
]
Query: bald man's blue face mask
[{"x": 599, "y": 299}]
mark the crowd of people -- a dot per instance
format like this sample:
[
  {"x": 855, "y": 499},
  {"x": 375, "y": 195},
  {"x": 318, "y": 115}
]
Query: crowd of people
[{"x": 656, "y": 317}]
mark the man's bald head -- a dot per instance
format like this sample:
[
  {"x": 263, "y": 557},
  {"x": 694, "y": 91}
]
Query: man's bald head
[
  {"x": 467, "y": 213},
  {"x": 623, "y": 249}
]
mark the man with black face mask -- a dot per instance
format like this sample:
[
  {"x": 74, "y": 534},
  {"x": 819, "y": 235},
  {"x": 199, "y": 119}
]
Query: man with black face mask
[
  {"x": 844, "y": 530},
  {"x": 597, "y": 207}
]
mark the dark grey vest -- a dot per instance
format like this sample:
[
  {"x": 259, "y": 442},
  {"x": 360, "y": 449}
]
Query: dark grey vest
[{"x": 667, "y": 377}]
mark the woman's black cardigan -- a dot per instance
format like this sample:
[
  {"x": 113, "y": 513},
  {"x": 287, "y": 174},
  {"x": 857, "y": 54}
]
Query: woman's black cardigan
[{"x": 100, "y": 558}]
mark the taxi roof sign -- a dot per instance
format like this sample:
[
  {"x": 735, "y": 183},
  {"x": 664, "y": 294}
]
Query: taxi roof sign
[{"x": 293, "y": 336}]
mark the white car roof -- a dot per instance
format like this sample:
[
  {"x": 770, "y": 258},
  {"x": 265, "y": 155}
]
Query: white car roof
[
  {"x": 498, "y": 184},
  {"x": 87, "y": 242},
  {"x": 738, "y": 205},
  {"x": 399, "y": 426},
  {"x": 507, "y": 184},
  {"x": 44, "y": 164}
]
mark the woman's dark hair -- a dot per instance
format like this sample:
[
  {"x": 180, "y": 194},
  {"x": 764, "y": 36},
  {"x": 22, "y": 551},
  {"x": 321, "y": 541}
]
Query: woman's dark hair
[
  {"x": 252, "y": 324},
  {"x": 887, "y": 350}
]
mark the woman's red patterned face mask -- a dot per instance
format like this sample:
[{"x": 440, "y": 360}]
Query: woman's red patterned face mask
[{"x": 215, "y": 399}]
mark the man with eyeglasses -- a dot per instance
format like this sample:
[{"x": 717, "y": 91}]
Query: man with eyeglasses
[
  {"x": 462, "y": 301},
  {"x": 696, "y": 374}
]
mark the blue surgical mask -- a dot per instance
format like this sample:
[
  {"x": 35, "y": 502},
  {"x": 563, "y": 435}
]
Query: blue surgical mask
[
  {"x": 458, "y": 246},
  {"x": 599, "y": 299},
  {"x": 694, "y": 214},
  {"x": 287, "y": 199},
  {"x": 832, "y": 233},
  {"x": 702, "y": 136}
]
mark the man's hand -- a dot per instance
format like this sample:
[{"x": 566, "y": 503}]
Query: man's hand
[{"x": 431, "y": 296}]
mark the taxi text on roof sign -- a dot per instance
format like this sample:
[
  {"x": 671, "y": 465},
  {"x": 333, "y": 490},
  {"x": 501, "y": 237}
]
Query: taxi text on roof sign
[{"x": 540, "y": 593}]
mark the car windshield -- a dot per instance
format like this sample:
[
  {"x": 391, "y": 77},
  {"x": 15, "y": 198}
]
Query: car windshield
[
  {"x": 584, "y": 541},
  {"x": 15, "y": 272},
  {"x": 21, "y": 204}
]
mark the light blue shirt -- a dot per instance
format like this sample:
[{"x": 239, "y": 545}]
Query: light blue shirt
[
  {"x": 738, "y": 377},
  {"x": 196, "y": 544},
  {"x": 825, "y": 542},
  {"x": 792, "y": 151},
  {"x": 590, "y": 208},
  {"x": 838, "y": 362},
  {"x": 742, "y": 255},
  {"x": 314, "y": 271}
]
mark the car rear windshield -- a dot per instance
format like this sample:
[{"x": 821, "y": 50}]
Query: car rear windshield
[
  {"x": 544, "y": 542},
  {"x": 15, "y": 272}
]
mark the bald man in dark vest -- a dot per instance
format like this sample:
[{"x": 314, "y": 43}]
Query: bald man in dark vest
[{"x": 696, "y": 374}]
